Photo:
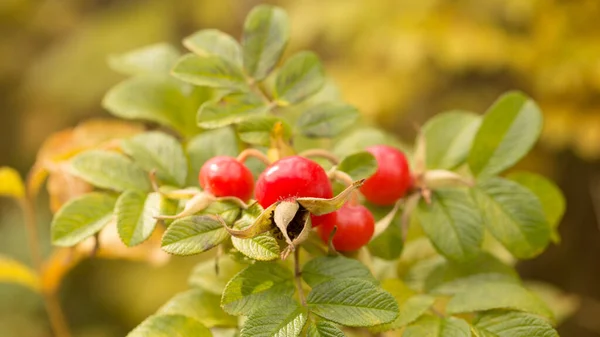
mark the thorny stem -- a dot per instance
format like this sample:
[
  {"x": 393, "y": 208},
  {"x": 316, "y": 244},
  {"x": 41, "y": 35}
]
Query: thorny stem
[
  {"x": 320, "y": 153},
  {"x": 247, "y": 153},
  {"x": 55, "y": 313},
  {"x": 298, "y": 276}
]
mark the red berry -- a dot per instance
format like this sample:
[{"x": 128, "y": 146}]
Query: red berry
[
  {"x": 392, "y": 179},
  {"x": 323, "y": 219},
  {"x": 226, "y": 177},
  {"x": 355, "y": 227},
  {"x": 294, "y": 177}
]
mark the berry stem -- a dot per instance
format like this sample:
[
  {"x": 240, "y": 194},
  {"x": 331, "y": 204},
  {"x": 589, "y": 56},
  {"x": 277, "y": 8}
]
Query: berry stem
[
  {"x": 247, "y": 153},
  {"x": 298, "y": 276},
  {"x": 331, "y": 249},
  {"x": 320, "y": 153}
]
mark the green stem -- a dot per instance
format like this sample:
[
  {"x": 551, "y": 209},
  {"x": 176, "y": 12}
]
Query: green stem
[{"x": 298, "y": 276}]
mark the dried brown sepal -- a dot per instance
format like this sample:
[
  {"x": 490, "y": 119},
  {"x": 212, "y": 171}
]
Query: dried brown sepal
[
  {"x": 385, "y": 222},
  {"x": 236, "y": 201},
  {"x": 433, "y": 179},
  {"x": 301, "y": 221},
  {"x": 262, "y": 224},
  {"x": 284, "y": 214},
  {"x": 319, "y": 206},
  {"x": 178, "y": 194},
  {"x": 196, "y": 204}
]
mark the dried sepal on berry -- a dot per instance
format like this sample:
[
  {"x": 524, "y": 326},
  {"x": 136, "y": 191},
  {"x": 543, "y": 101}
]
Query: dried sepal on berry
[
  {"x": 262, "y": 224},
  {"x": 320, "y": 206},
  {"x": 298, "y": 231},
  {"x": 197, "y": 203}
]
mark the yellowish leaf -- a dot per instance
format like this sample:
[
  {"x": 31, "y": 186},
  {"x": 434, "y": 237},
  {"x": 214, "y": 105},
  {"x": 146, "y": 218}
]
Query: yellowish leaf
[
  {"x": 11, "y": 184},
  {"x": 12, "y": 271},
  {"x": 63, "y": 145},
  {"x": 64, "y": 260}
]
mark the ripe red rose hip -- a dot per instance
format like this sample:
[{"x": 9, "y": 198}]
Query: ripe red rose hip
[
  {"x": 225, "y": 176},
  {"x": 392, "y": 179},
  {"x": 355, "y": 227},
  {"x": 294, "y": 177}
]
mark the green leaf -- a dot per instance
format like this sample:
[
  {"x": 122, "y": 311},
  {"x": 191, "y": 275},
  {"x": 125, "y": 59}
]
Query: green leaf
[
  {"x": 193, "y": 235},
  {"x": 257, "y": 130},
  {"x": 411, "y": 306},
  {"x": 300, "y": 77},
  {"x": 447, "y": 277},
  {"x": 323, "y": 329},
  {"x": 452, "y": 223},
  {"x": 327, "y": 268},
  {"x": 169, "y": 326},
  {"x": 156, "y": 58},
  {"x": 448, "y": 138},
  {"x": 208, "y": 144},
  {"x": 263, "y": 247},
  {"x": 283, "y": 317},
  {"x": 231, "y": 109},
  {"x": 352, "y": 302},
  {"x": 514, "y": 216},
  {"x": 205, "y": 276},
  {"x": 161, "y": 152},
  {"x": 214, "y": 42},
  {"x": 81, "y": 218},
  {"x": 390, "y": 243},
  {"x": 11, "y": 184},
  {"x": 359, "y": 139},
  {"x": 563, "y": 305},
  {"x": 481, "y": 333},
  {"x": 360, "y": 165},
  {"x": 135, "y": 213},
  {"x": 13, "y": 271},
  {"x": 481, "y": 295},
  {"x": 514, "y": 324},
  {"x": 326, "y": 120},
  {"x": 266, "y": 33},
  {"x": 110, "y": 170},
  {"x": 228, "y": 210},
  {"x": 201, "y": 306},
  {"x": 256, "y": 285},
  {"x": 552, "y": 200},
  {"x": 210, "y": 71},
  {"x": 432, "y": 326},
  {"x": 508, "y": 131},
  {"x": 159, "y": 99}
]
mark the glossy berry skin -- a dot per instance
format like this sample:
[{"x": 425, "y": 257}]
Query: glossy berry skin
[
  {"x": 355, "y": 227},
  {"x": 294, "y": 177},
  {"x": 392, "y": 179},
  {"x": 224, "y": 176}
]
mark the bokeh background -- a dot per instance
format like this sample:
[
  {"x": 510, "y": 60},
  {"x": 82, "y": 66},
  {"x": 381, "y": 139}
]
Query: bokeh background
[{"x": 398, "y": 61}]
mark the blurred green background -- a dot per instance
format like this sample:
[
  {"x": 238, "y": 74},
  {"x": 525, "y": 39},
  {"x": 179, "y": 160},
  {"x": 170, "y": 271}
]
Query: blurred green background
[{"x": 398, "y": 61}]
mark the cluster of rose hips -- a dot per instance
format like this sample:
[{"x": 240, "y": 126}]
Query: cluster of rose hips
[{"x": 298, "y": 177}]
